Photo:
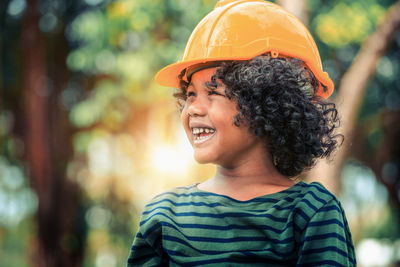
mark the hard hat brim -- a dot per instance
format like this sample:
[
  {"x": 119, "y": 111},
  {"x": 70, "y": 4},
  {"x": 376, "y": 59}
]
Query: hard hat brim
[{"x": 168, "y": 77}]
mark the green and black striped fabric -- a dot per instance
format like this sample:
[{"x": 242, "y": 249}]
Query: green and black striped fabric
[{"x": 304, "y": 225}]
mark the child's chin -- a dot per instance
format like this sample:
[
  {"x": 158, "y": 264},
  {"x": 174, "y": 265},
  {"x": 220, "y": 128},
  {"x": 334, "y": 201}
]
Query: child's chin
[{"x": 203, "y": 159}]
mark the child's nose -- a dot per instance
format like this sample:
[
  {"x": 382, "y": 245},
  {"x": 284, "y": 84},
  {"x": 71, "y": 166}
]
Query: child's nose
[{"x": 197, "y": 107}]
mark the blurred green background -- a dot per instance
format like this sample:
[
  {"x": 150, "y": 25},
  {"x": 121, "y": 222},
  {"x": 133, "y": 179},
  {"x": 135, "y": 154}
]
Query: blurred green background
[{"x": 87, "y": 137}]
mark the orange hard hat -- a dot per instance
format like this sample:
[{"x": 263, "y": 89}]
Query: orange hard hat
[{"x": 243, "y": 29}]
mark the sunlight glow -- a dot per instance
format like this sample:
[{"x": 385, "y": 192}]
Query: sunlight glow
[
  {"x": 106, "y": 257},
  {"x": 372, "y": 252},
  {"x": 100, "y": 158},
  {"x": 168, "y": 159}
]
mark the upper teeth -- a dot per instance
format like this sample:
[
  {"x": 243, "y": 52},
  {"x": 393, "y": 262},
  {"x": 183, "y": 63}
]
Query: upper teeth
[{"x": 201, "y": 130}]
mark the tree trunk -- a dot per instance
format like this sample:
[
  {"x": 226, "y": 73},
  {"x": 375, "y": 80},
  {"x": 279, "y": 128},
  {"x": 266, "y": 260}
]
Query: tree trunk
[
  {"x": 387, "y": 153},
  {"x": 350, "y": 94},
  {"x": 297, "y": 8},
  {"x": 59, "y": 238},
  {"x": 3, "y": 15}
]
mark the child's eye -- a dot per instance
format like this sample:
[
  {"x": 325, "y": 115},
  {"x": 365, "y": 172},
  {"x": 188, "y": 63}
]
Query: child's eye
[
  {"x": 190, "y": 93},
  {"x": 213, "y": 92}
]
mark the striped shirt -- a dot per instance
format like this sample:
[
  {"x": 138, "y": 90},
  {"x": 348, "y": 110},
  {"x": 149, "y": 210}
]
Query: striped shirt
[{"x": 304, "y": 225}]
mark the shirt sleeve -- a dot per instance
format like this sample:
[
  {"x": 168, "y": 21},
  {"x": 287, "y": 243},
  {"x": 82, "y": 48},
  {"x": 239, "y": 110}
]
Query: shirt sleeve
[
  {"x": 147, "y": 249},
  {"x": 326, "y": 240}
]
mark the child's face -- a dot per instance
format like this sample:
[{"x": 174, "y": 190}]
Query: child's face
[{"x": 207, "y": 117}]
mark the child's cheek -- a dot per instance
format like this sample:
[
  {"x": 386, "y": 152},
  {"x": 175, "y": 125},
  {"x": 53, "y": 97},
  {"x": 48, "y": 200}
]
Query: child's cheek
[
  {"x": 185, "y": 121},
  {"x": 184, "y": 117}
]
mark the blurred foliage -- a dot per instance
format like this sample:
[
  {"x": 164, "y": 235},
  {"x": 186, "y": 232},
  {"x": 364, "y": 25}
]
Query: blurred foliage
[
  {"x": 127, "y": 146},
  {"x": 387, "y": 227},
  {"x": 14, "y": 244},
  {"x": 344, "y": 24}
]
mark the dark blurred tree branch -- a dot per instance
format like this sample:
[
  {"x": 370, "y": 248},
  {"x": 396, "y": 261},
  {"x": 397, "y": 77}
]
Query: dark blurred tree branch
[
  {"x": 388, "y": 151},
  {"x": 351, "y": 92},
  {"x": 48, "y": 134},
  {"x": 3, "y": 11}
]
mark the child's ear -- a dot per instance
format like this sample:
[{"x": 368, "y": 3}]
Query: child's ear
[{"x": 181, "y": 104}]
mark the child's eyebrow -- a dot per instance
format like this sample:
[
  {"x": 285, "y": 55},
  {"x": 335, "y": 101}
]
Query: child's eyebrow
[
  {"x": 208, "y": 84},
  {"x": 212, "y": 85}
]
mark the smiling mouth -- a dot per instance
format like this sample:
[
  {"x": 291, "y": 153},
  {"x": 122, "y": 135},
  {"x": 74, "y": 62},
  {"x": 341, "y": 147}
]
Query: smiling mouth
[{"x": 202, "y": 134}]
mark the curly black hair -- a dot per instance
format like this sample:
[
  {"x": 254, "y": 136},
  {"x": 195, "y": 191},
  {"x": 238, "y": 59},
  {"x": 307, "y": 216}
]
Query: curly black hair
[{"x": 276, "y": 97}]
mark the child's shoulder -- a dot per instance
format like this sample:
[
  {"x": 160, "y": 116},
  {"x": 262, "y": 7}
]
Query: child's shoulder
[
  {"x": 314, "y": 200},
  {"x": 172, "y": 196},
  {"x": 177, "y": 192},
  {"x": 317, "y": 193}
]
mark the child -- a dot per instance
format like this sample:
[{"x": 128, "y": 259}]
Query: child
[{"x": 252, "y": 94}]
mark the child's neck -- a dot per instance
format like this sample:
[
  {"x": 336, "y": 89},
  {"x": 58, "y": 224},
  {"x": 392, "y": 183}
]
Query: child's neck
[{"x": 246, "y": 181}]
